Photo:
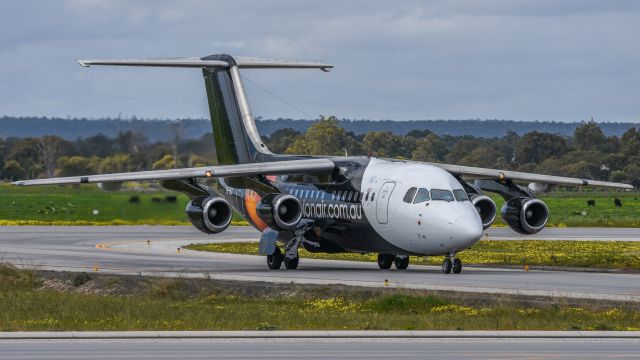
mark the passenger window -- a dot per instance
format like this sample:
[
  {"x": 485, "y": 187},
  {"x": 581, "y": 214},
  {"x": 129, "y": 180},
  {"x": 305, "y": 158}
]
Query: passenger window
[
  {"x": 333, "y": 195},
  {"x": 408, "y": 197},
  {"x": 438, "y": 194},
  {"x": 421, "y": 196},
  {"x": 350, "y": 195},
  {"x": 366, "y": 198},
  {"x": 372, "y": 196},
  {"x": 460, "y": 195}
]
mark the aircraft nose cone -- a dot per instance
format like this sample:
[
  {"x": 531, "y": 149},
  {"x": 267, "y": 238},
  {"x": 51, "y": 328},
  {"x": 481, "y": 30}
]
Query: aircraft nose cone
[{"x": 466, "y": 230}]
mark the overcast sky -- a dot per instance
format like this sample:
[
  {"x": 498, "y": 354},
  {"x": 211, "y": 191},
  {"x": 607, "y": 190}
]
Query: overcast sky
[{"x": 522, "y": 60}]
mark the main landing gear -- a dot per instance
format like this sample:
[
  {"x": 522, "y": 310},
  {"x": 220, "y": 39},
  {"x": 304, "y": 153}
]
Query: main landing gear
[
  {"x": 386, "y": 260},
  {"x": 448, "y": 265},
  {"x": 274, "y": 262}
]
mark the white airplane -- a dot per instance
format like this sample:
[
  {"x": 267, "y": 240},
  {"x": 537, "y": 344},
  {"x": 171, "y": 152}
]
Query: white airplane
[{"x": 394, "y": 208}]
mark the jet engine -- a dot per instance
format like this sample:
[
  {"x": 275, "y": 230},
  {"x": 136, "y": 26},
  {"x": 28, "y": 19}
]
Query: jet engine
[
  {"x": 486, "y": 209},
  {"x": 525, "y": 215},
  {"x": 210, "y": 215},
  {"x": 280, "y": 211}
]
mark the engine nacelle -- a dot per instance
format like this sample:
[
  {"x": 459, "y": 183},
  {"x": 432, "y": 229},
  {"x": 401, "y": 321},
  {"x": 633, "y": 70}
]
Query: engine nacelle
[
  {"x": 486, "y": 209},
  {"x": 210, "y": 215},
  {"x": 525, "y": 215},
  {"x": 280, "y": 211}
]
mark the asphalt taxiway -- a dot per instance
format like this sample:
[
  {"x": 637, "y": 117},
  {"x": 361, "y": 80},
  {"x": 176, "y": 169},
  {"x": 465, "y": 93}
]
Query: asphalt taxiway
[
  {"x": 326, "y": 345},
  {"x": 153, "y": 250}
]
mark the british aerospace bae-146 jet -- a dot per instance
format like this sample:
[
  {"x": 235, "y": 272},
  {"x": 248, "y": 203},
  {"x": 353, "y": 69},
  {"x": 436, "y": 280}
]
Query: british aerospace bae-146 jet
[{"x": 331, "y": 204}]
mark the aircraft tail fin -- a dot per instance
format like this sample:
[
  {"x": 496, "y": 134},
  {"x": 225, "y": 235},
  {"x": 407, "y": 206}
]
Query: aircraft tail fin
[{"x": 236, "y": 136}]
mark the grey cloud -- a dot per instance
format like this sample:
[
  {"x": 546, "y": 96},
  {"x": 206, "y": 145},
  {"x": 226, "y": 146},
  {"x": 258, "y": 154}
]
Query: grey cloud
[{"x": 524, "y": 60}]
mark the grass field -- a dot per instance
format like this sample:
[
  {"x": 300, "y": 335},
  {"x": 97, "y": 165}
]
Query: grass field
[
  {"x": 623, "y": 255},
  {"x": 30, "y": 302},
  {"x": 55, "y": 205},
  {"x": 75, "y": 206}
]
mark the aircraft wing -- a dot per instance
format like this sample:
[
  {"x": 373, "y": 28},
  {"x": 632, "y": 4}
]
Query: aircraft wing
[
  {"x": 469, "y": 172},
  {"x": 293, "y": 167}
]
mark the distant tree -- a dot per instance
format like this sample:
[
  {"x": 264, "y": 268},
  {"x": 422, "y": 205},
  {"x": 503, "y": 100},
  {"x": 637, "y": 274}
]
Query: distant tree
[
  {"x": 167, "y": 162},
  {"x": 482, "y": 156},
  {"x": 281, "y": 139},
  {"x": 97, "y": 145},
  {"x": 132, "y": 143},
  {"x": 386, "y": 144},
  {"x": 323, "y": 138},
  {"x": 633, "y": 174},
  {"x": 618, "y": 176},
  {"x": 50, "y": 147},
  {"x": 115, "y": 164},
  {"x": 462, "y": 148},
  {"x": 534, "y": 147},
  {"x": 12, "y": 171},
  {"x": 630, "y": 143},
  {"x": 77, "y": 165},
  {"x": 589, "y": 136}
]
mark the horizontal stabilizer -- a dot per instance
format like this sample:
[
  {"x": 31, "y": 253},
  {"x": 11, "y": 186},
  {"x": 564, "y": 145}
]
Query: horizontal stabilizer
[{"x": 212, "y": 62}]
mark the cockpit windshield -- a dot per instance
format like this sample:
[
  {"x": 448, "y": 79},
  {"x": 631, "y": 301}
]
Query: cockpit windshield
[
  {"x": 439, "y": 194},
  {"x": 460, "y": 195}
]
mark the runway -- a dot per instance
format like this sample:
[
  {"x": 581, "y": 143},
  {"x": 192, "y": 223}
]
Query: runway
[
  {"x": 124, "y": 249},
  {"x": 456, "y": 345}
]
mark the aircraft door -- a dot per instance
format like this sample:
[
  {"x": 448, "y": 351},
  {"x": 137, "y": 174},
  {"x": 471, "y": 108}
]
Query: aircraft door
[{"x": 382, "y": 202}]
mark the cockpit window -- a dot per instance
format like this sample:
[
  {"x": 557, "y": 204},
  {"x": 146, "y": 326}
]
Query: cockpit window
[
  {"x": 408, "y": 197},
  {"x": 421, "y": 196},
  {"x": 439, "y": 194},
  {"x": 460, "y": 195}
]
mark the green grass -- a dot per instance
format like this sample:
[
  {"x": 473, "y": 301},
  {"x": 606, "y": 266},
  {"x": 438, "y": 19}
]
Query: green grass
[
  {"x": 68, "y": 205},
  {"x": 592, "y": 254},
  {"x": 172, "y": 304}
]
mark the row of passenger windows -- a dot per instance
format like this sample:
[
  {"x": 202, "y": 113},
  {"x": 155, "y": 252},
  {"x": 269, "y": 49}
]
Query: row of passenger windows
[
  {"x": 420, "y": 195},
  {"x": 349, "y": 196}
]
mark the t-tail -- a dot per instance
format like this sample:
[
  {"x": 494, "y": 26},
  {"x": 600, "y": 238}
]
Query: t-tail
[{"x": 236, "y": 136}]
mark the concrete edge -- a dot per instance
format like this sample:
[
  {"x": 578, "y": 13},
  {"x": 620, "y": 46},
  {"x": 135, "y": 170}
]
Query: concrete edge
[{"x": 437, "y": 334}]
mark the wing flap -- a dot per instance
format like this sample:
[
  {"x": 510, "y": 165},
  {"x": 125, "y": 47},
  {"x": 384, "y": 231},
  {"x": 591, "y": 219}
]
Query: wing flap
[
  {"x": 293, "y": 167},
  {"x": 483, "y": 173}
]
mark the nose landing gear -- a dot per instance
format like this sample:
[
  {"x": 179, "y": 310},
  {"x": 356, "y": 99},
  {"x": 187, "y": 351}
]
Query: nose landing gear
[{"x": 448, "y": 265}]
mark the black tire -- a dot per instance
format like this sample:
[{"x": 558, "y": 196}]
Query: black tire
[
  {"x": 457, "y": 266},
  {"x": 401, "y": 262},
  {"x": 274, "y": 261},
  {"x": 291, "y": 264},
  {"x": 385, "y": 261},
  {"x": 446, "y": 265}
]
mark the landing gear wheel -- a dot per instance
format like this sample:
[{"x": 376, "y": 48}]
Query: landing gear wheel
[
  {"x": 385, "y": 261},
  {"x": 291, "y": 264},
  {"x": 401, "y": 262},
  {"x": 446, "y": 265},
  {"x": 457, "y": 266},
  {"x": 274, "y": 261}
]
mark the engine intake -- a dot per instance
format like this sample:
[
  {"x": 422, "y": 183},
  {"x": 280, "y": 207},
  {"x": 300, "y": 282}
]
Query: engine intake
[
  {"x": 211, "y": 215},
  {"x": 280, "y": 212},
  {"x": 486, "y": 209},
  {"x": 525, "y": 215}
]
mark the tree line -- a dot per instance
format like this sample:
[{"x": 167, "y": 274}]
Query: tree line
[{"x": 588, "y": 153}]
